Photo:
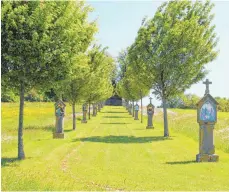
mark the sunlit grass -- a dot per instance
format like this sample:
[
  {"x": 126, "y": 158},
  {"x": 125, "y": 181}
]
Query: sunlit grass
[
  {"x": 111, "y": 152},
  {"x": 185, "y": 121}
]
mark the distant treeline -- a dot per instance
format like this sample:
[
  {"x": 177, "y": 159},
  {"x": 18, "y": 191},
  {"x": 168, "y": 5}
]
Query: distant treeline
[
  {"x": 31, "y": 96},
  {"x": 189, "y": 101}
]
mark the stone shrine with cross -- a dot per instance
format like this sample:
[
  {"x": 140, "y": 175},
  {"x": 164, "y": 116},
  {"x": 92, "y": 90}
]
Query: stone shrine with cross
[
  {"x": 130, "y": 108},
  {"x": 59, "y": 113},
  {"x": 136, "y": 109},
  {"x": 207, "y": 117},
  {"x": 150, "y": 112},
  {"x": 84, "y": 109}
]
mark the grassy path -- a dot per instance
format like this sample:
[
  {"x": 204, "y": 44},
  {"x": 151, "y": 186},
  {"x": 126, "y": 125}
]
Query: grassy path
[{"x": 112, "y": 152}]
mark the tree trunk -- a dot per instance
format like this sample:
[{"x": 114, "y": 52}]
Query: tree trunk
[
  {"x": 93, "y": 110},
  {"x": 141, "y": 110},
  {"x": 89, "y": 112},
  {"x": 133, "y": 110},
  {"x": 74, "y": 115},
  {"x": 21, "y": 154},
  {"x": 166, "y": 128}
]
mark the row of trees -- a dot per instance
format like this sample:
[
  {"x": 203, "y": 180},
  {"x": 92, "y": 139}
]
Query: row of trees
[
  {"x": 49, "y": 45},
  {"x": 169, "y": 53}
]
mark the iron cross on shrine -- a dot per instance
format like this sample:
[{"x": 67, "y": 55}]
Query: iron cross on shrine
[
  {"x": 207, "y": 83},
  {"x": 150, "y": 99}
]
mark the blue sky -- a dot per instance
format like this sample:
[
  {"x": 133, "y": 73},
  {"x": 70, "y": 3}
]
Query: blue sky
[{"x": 119, "y": 21}]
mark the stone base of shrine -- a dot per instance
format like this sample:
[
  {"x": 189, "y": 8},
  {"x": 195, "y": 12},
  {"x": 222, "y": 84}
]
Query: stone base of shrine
[
  {"x": 84, "y": 121},
  {"x": 136, "y": 119},
  {"x": 58, "y": 135},
  {"x": 207, "y": 158},
  {"x": 149, "y": 127}
]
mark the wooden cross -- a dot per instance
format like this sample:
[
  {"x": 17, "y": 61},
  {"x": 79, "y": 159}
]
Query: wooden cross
[
  {"x": 150, "y": 99},
  {"x": 207, "y": 83}
]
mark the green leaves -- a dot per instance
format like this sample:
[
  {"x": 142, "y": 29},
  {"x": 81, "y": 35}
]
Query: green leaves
[
  {"x": 170, "y": 52},
  {"x": 176, "y": 45},
  {"x": 41, "y": 39}
]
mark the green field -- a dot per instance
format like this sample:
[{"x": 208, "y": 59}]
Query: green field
[{"x": 111, "y": 152}]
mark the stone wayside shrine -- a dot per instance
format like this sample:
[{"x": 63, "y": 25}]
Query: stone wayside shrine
[
  {"x": 94, "y": 113},
  {"x": 136, "y": 109},
  {"x": 207, "y": 117},
  {"x": 133, "y": 109},
  {"x": 84, "y": 108},
  {"x": 59, "y": 113},
  {"x": 130, "y": 109},
  {"x": 150, "y": 112},
  {"x": 99, "y": 106},
  {"x": 127, "y": 105}
]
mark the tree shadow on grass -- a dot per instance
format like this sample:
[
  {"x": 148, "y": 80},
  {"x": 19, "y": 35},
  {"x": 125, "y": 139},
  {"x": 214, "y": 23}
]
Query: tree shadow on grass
[
  {"x": 180, "y": 162},
  {"x": 115, "y": 123},
  {"x": 116, "y": 117},
  {"x": 11, "y": 161},
  {"x": 68, "y": 130},
  {"x": 122, "y": 139},
  {"x": 5, "y": 161},
  {"x": 45, "y": 128},
  {"x": 113, "y": 112}
]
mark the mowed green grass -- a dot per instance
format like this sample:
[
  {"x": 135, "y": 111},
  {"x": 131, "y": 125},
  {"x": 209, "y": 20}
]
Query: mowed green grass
[
  {"x": 111, "y": 152},
  {"x": 185, "y": 121}
]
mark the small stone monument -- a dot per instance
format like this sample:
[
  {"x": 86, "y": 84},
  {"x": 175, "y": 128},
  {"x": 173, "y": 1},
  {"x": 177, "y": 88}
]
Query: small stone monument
[
  {"x": 96, "y": 109},
  {"x": 59, "y": 113},
  {"x": 136, "y": 109},
  {"x": 123, "y": 102},
  {"x": 94, "y": 113},
  {"x": 84, "y": 109},
  {"x": 99, "y": 107},
  {"x": 127, "y": 105},
  {"x": 130, "y": 109},
  {"x": 207, "y": 117},
  {"x": 150, "y": 112},
  {"x": 133, "y": 109}
]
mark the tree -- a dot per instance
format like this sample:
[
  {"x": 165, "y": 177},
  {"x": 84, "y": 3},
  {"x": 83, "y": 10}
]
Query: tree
[
  {"x": 34, "y": 47},
  {"x": 79, "y": 36},
  {"x": 134, "y": 82},
  {"x": 175, "y": 45},
  {"x": 73, "y": 87},
  {"x": 101, "y": 73}
]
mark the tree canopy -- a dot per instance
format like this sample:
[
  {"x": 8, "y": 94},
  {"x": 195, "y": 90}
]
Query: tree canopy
[{"x": 172, "y": 49}]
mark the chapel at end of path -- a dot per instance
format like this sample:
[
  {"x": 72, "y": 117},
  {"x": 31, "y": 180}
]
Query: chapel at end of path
[{"x": 115, "y": 100}]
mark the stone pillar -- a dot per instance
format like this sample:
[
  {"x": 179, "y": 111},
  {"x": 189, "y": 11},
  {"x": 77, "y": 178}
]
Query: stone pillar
[
  {"x": 150, "y": 112},
  {"x": 127, "y": 105},
  {"x": 133, "y": 109},
  {"x": 59, "y": 113},
  {"x": 136, "y": 109},
  {"x": 94, "y": 110},
  {"x": 84, "y": 109},
  {"x": 99, "y": 107},
  {"x": 207, "y": 117},
  {"x": 102, "y": 104},
  {"x": 130, "y": 109}
]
